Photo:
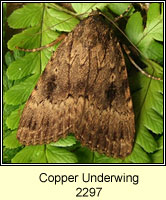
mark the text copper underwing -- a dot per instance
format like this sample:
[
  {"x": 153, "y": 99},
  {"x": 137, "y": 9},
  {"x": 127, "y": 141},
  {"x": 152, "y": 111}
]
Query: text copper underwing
[{"x": 83, "y": 90}]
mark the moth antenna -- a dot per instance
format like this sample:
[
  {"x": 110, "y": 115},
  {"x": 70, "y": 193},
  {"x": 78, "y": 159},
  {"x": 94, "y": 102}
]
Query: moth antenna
[
  {"x": 122, "y": 33},
  {"x": 133, "y": 62},
  {"x": 141, "y": 70},
  {"x": 60, "y": 38},
  {"x": 122, "y": 15},
  {"x": 144, "y": 6}
]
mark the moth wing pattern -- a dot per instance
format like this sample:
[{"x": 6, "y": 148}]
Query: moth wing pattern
[{"x": 83, "y": 90}]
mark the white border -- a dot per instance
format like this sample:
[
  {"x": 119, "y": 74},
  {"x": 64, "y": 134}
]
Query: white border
[{"x": 75, "y": 164}]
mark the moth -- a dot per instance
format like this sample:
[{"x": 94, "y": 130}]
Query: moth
[{"x": 83, "y": 90}]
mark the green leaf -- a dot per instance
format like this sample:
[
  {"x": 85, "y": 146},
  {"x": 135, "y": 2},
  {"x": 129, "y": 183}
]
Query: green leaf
[
  {"x": 4, "y": 24},
  {"x": 135, "y": 23},
  {"x": 35, "y": 37},
  {"x": 31, "y": 154},
  {"x": 146, "y": 102},
  {"x": 146, "y": 140},
  {"x": 160, "y": 143},
  {"x": 38, "y": 36},
  {"x": 118, "y": 8},
  {"x": 60, "y": 21},
  {"x": 19, "y": 93},
  {"x": 151, "y": 49},
  {"x": 27, "y": 16},
  {"x": 6, "y": 131},
  {"x": 83, "y": 7},
  {"x": 100, "y": 6},
  {"x": 100, "y": 158},
  {"x": 87, "y": 7},
  {"x": 33, "y": 62},
  {"x": 138, "y": 155},
  {"x": 151, "y": 117},
  {"x": 155, "y": 22},
  {"x": 84, "y": 155},
  {"x": 18, "y": 54},
  {"x": 145, "y": 39},
  {"x": 59, "y": 155},
  {"x": 22, "y": 67},
  {"x": 8, "y": 154},
  {"x": 6, "y": 82},
  {"x": 9, "y": 58},
  {"x": 65, "y": 142},
  {"x": 27, "y": 39},
  {"x": 14, "y": 118},
  {"x": 11, "y": 141},
  {"x": 158, "y": 157},
  {"x": 7, "y": 110}
]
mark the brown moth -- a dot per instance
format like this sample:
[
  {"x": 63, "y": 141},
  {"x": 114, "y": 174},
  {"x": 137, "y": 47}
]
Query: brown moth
[{"x": 83, "y": 90}]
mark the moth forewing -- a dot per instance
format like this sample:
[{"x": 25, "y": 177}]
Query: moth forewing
[{"x": 83, "y": 89}]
